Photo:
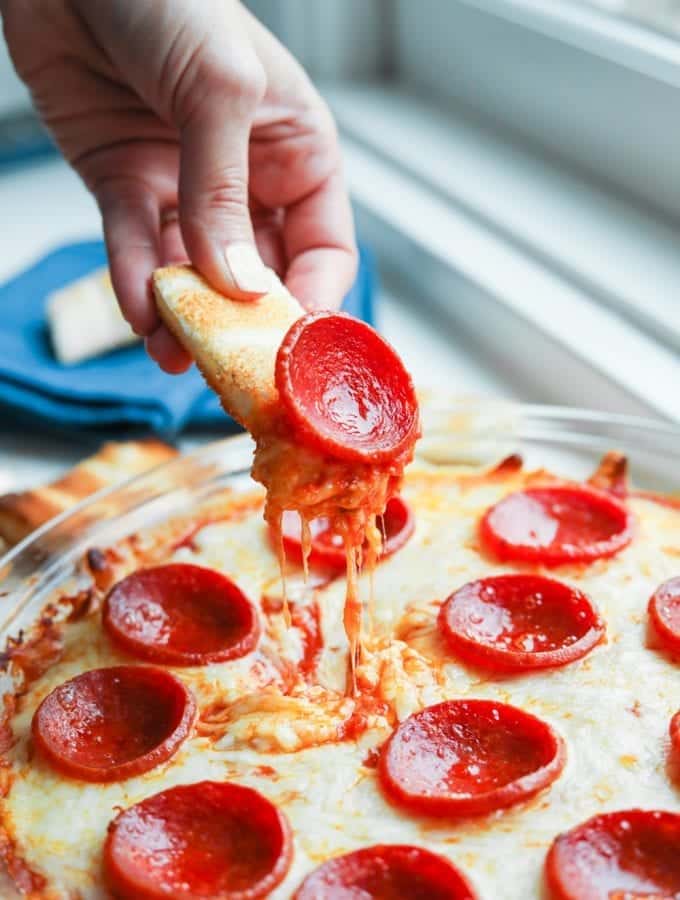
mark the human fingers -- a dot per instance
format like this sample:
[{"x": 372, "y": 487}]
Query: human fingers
[
  {"x": 130, "y": 195},
  {"x": 213, "y": 191}
]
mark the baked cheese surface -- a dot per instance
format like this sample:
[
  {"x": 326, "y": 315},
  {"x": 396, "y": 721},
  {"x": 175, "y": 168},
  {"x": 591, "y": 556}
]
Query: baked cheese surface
[{"x": 261, "y": 723}]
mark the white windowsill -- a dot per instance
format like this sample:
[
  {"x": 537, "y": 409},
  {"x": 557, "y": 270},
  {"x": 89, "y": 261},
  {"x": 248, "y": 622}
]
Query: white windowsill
[
  {"x": 514, "y": 251},
  {"x": 612, "y": 249}
]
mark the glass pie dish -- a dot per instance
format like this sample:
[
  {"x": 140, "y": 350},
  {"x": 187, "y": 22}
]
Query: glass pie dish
[{"x": 569, "y": 442}]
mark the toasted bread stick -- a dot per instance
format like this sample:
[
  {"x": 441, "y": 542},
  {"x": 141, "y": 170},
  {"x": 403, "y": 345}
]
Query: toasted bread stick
[
  {"x": 234, "y": 343},
  {"x": 21, "y": 513}
]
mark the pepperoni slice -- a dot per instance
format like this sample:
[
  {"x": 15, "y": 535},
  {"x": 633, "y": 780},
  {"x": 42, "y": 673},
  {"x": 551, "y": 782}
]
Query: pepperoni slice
[
  {"x": 208, "y": 840},
  {"x": 386, "y": 872},
  {"x": 328, "y": 548},
  {"x": 556, "y": 524},
  {"x": 346, "y": 390},
  {"x": 469, "y": 757},
  {"x": 675, "y": 732},
  {"x": 513, "y": 622},
  {"x": 110, "y": 724},
  {"x": 181, "y": 615},
  {"x": 634, "y": 853},
  {"x": 396, "y": 525},
  {"x": 664, "y": 611}
]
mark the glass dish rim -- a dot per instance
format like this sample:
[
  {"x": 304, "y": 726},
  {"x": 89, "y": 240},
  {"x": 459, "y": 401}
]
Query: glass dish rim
[
  {"x": 535, "y": 414},
  {"x": 491, "y": 421}
]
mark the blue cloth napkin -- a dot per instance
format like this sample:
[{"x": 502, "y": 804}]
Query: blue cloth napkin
[{"x": 123, "y": 390}]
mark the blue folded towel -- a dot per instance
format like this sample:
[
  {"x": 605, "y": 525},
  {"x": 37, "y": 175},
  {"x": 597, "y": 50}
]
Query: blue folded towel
[{"x": 123, "y": 390}]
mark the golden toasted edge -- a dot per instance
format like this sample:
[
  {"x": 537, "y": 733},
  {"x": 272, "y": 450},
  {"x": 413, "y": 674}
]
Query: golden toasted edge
[
  {"x": 208, "y": 369},
  {"x": 21, "y": 513},
  {"x": 234, "y": 343}
]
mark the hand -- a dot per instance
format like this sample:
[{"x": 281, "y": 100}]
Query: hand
[{"x": 200, "y": 137}]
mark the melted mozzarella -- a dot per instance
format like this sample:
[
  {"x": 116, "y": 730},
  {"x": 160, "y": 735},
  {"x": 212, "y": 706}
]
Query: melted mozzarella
[{"x": 612, "y": 708}]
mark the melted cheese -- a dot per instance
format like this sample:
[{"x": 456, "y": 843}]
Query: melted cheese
[
  {"x": 349, "y": 495},
  {"x": 279, "y": 735}
]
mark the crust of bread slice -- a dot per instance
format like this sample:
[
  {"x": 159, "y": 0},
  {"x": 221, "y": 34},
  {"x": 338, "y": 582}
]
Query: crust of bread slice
[
  {"x": 234, "y": 343},
  {"x": 21, "y": 513}
]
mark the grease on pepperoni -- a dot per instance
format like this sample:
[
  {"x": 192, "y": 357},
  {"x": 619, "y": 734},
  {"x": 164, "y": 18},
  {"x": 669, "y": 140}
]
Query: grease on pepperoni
[
  {"x": 345, "y": 389},
  {"x": 386, "y": 872},
  {"x": 113, "y": 723},
  {"x": 469, "y": 757},
  {"x": 327, "y": 549},
  {"x": 556, "y": 524},
  {"x": 664, "y": 611},
  {"x": 205, "y": 840},
  {"x": 630, "y": 853},
  {"x": 181, "y": 615},
  {"x": 514, "y": 622}
]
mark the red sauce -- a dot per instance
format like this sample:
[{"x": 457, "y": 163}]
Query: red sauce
[
  {"x": 272, "y": 606},
  {"x": 306, "y": 618},
  {"x": 372, "y": 758},
  {"x": 327, "y": 554},
  {"x": 366, "y": 708}
]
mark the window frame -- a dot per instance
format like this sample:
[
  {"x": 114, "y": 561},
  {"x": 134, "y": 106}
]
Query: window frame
[
  {"x": 429, "y": 108},
  {"x": 511, "y": 304},
  {"x": 597, "y": 93},
  {"x": 618, "y": 38}
]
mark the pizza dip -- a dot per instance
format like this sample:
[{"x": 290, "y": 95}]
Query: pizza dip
[{"x": 512, "y": 730}]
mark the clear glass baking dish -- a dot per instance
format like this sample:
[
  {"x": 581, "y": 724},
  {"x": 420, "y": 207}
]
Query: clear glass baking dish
[{"x": 569, "y": 441}]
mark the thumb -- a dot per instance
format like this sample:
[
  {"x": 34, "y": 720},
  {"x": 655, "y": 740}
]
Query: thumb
[{"x": 213, "y": 186}]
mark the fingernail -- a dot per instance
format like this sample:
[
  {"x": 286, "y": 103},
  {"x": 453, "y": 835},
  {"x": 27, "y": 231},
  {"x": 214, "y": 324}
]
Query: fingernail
[{"x": 247, "y": 270}]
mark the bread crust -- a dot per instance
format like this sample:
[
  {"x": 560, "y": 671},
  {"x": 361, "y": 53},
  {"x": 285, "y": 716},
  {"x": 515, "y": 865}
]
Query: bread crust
[
  {"x": 21, "y": 513},
  {"x": 234, "y": 343}
]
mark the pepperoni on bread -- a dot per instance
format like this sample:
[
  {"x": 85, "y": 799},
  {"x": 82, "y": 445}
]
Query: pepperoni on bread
[{"x": 345, "y": 389}]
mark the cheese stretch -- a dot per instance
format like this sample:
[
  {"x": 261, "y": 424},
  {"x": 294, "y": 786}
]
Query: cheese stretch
[{"x": 235, "y": 346}]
